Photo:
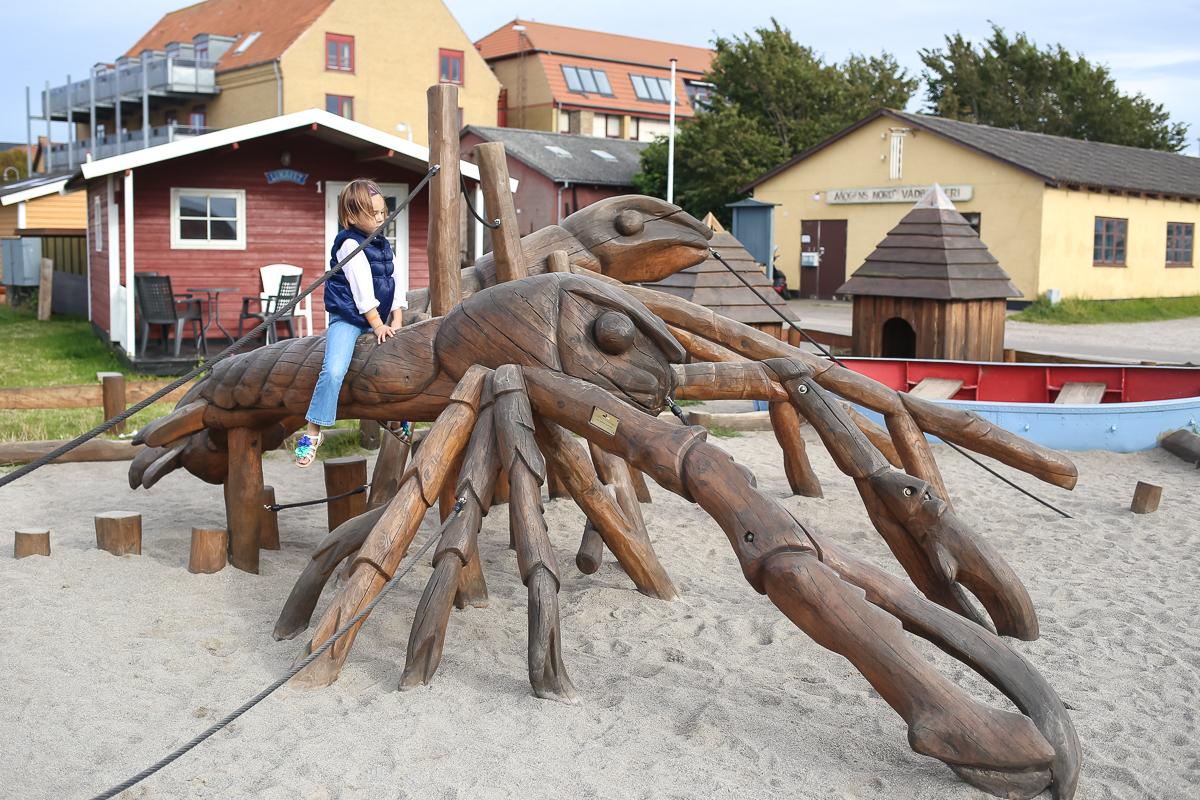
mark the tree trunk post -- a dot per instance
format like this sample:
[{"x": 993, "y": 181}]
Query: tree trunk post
[
  {"x": 1145, "y": 498},
  {"x": 209, "y": 546},
  {"x": 45, "y": 289},
  {"x": 244, "y": 498},
  {"x": 343, "y": 475},
  {"x": 31, "y": 542},
  {"x": 268, "y": 537},
  {"x": 368, "y": 430},
  {"x": 389, "y": 469},
  {"x": 498, "y": 201},
  {"x": 114, "y": 399},
  {"x": 119, "y": 532},
  {"x": 445, "y": 266}
]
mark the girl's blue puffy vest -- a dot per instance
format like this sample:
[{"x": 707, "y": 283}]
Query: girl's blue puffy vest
[{"x": 339, "y": 299}]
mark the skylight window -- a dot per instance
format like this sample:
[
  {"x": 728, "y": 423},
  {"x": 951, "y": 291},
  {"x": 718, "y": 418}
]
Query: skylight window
[
  {"x": 558, "y": 151},
  {"x": 605, "y": 156},
  {"x": 245, "y": 45},
  {"x": 651, "y": 89},
  {"x": 581, "y": 80}
]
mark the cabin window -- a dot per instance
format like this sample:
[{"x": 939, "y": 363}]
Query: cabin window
[
  {"x": 99, "y": 235},
  {"x": 450, "y": 66},
  {"x": 208, "y": 219},
  {"x": 581, "y": 80},
  {"x": 340, "y": 105},
  {"x": 339, "y": 52},
  {"x": 196, "y": 119},
  {"x": 652, "y": 89},
  {"x": 1108, "y": 246},
  {"x": 1179, "y": 244}
]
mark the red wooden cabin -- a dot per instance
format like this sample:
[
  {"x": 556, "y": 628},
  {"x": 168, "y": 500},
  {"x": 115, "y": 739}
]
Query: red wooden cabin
[{"x": 279, "y": 178}]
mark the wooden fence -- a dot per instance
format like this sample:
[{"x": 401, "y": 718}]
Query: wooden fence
[{"x": 85, "y": 396}]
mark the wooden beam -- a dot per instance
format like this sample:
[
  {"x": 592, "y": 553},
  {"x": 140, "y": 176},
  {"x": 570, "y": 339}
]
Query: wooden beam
[
  {"x": 82, "y": 396},
  {"x": 497, "y": 199},
  {"x": 445, "y": 269},
  {"x": 373, "y": 154}
]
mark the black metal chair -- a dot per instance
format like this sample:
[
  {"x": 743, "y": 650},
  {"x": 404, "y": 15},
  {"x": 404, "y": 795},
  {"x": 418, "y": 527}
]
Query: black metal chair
[
  {"x": 289, "y": 288},
  {"x": 158, "y": 305}
]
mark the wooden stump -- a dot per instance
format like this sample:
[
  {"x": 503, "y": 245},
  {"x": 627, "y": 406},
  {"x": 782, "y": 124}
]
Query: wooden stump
[
  {"x": 45, "y": 289},
  {"x": 1145, "y": 498},
  {"x": 369, "y": 433},
  {"x": 114, "y": 399},
  {"x": 209, "y": 546},
  {"x": 341, "y": 476},
  {"x": 119, "y": 532},
  {"x": 268, "y": 536},
  {"x": 1184, "y": 444},
  {"x": 31, "y": 542},
  {"x": 243, "y": 498},
  {"x": 389, "y": 469}
]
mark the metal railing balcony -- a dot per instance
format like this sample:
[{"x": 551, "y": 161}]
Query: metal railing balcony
[
  {"x": 163, "y": 76},
  {"x": 115, "y": 145}
]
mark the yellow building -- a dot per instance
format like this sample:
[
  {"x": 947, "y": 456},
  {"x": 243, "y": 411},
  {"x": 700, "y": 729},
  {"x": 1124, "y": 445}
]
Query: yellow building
[
  {"x": 1088, "y": 219},
  {"x": 223, "y": 63}
]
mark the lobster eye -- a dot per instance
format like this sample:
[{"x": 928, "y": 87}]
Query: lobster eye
[
  {"x": 614, "y": 332},
  {"x": 629, "y": 223}
]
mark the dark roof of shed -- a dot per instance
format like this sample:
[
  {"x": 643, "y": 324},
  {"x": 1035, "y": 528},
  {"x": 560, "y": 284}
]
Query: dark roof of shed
[
  {"x": 582, "y": 165},
  {"x": 1055, "y": 159}
]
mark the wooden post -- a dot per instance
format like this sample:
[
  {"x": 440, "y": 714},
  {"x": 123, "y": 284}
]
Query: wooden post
[
  {"x": 557, "y": 261},
  {"x": 368, "y": 434},
  {"x": 1145, "y": 498},
  {"x": 31, "y": 542},
  {"x": 497, "y": 199},
  {"x": 389, "y": 469},
  {"x": 445, "y": 276},
  {"x": 243, "y": 498},
  {"x": 268, "y": 537},
  {"x": 208, "y": 550},
  {"x": 341, "y": 476},
  {"x": 114, "y": 399},
  {"x": 119, "y": 532},
  {"x": 45, "y": 289}
]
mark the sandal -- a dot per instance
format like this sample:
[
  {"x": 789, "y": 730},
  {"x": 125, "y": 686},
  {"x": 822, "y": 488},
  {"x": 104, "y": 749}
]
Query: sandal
[{"x": 306, "y": 449}]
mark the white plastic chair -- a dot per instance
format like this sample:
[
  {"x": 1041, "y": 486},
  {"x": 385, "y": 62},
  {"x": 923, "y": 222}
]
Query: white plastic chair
[{"x": 271, "y": 275}]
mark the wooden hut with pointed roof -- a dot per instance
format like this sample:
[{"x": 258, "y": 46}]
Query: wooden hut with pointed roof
[
  {"x": 930, "y": 289},
  {"x": 709, "y": 284}
]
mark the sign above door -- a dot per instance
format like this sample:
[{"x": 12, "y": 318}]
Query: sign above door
[{"x": 958, "y": 193}]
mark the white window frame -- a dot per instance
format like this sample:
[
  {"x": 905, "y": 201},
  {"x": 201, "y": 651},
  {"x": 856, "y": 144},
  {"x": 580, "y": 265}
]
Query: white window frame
[
  {"x": 239, "y": 243},
  {"x": 99, "y": 227}
]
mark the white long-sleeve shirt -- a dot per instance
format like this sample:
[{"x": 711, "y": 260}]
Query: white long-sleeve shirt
[{"x": 358, "y": 273}]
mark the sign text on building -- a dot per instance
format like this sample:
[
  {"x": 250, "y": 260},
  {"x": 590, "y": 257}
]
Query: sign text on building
[{"x": 959, "y": 193}]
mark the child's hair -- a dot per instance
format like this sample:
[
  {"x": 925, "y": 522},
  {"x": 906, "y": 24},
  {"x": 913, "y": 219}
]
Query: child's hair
[{"x": 354, "y": 203}]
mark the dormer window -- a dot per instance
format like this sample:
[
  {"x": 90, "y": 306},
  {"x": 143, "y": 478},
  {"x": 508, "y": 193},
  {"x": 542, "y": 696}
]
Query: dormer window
[
  {"x": 249, "y": 40},
  {"x": 339, "y": 52},
  {"x": 651, "y": 88},
  {"x": 581, "y": 80}
]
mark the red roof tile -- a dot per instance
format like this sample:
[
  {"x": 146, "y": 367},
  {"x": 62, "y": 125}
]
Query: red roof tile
[
  {"x": 604, "y": 46},
  {"x": 280, "y": 21}
]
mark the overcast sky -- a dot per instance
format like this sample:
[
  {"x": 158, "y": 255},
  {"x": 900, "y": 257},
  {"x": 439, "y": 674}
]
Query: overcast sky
[{"x": 1151, "y": 46}]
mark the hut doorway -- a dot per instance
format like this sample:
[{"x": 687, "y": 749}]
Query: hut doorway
[{"x": 899, "y": 339}]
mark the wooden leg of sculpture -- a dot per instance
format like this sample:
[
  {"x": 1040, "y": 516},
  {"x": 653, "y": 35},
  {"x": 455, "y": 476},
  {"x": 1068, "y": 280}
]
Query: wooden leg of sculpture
[
  {"x": 876, "y": 434},
  {"x": 785, "y": 421},
  {"x": 500, "y": 495},
  {"x": 639, "y": 485},
  {"x": 243, "y": 497},
  {"x": 614, "y": 472},
  {"x": 387, "y": 543},
  {"x": 915, "y": 454},
  {"x": 539, "y": 570},
  {"x": 591, "y": 550},
  {"x": 780, "y": 560},
  {"x": 457, "y": 549},
  {"x": 599, "y": 503},
  {"x": 269, "y": 535},
  {"x": 389, "y": 469}
]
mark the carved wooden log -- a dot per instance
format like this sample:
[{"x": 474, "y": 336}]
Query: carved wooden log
[
  {"x": 368, "y": 434},
  {"x": 914, "y": 452},
  {"x": 497, "y": 199},
  {"x": 389, "y": 469},
  {"x": 114, "y": 399},
  {"x": 1184, "y": 444},
  {"x": 639, "y": 485},
  {"x": 268, "y": 537},
  {"x": 31, "y": 542},
  {"x": 558, "y": 261},
  {"x": 388, "y": 541},
  {"x": 785, "y": 421},
  {"x": 119, "y": 532},
  {"x": 243, "y": 498},
  {"x": 209, "y": 547},
  {"x": 876, "y": 434},
  {"x": 500, "y": 495},
  {"x": 599, "y": 503},
  {"x": 445, "y": 195},
  {"x": 614, "y": 472},
  {"x": 591, "y": 550},
  {"x": 1145, "y": 498},
  {"x": 343, "y": 475},
  {"x": 535, "y": 558},
  {"x": 554, "y": 485}
]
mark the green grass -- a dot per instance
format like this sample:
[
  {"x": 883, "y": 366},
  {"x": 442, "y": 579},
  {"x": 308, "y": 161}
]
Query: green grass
[
  {"x": 686, "y": 403},
  {"x": 1078, "y": 310},
  {"x": 61, "y": 352},
  {"x": 724, "y": 433}
]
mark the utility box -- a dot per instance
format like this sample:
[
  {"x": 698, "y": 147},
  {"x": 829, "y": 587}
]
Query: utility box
[{"x": 22, "y": 261}]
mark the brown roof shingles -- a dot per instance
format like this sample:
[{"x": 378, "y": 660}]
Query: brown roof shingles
[
  {"x": 280, "y": 21},
  {"x": 604, "y": 46},
  {"x": 625, "y": 100}
]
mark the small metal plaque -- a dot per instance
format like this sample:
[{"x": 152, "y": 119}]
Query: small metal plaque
[{"x": 604, "y": 421}]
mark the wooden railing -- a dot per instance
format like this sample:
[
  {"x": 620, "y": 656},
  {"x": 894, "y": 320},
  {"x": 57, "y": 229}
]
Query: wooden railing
[{"x": 114, "y": 395}]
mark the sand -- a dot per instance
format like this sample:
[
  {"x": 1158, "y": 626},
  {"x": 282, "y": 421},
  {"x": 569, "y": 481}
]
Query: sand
[{"x": 110, "y": 662}]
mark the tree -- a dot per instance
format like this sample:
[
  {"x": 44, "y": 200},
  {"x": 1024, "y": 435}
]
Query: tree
[
  {"x": 772, "y": 98},
  {"x": 1010, "y": 83},
  {"x": 10, "y": 160}
]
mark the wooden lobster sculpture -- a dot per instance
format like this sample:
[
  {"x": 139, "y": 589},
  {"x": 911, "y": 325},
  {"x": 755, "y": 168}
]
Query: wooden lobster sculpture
[{"x": 513, "y": 371}]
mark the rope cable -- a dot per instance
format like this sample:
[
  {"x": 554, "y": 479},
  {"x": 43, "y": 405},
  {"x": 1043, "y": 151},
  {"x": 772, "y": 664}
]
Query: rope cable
[
  {"x": 229, "y": 351},
  {"x": 249, "y": 704},
  {"x": 342, "y": 496},
  {"x": 471, "y": 208}
]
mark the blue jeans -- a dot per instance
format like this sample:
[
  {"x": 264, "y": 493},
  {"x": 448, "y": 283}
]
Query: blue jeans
[{"x": 339, "y": 348}]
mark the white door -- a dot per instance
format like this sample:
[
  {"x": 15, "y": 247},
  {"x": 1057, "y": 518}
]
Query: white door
[{"x": 396, "y": 233}]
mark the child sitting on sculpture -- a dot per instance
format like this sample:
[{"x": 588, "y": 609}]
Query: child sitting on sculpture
[{"x": 355, "y": 297}]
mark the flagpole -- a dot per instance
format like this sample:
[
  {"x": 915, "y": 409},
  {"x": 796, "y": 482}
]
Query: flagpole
[{"x": 671, "y": 141}]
